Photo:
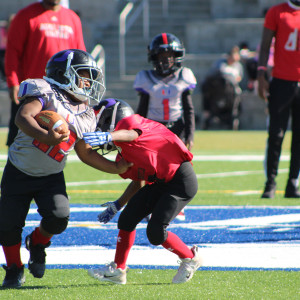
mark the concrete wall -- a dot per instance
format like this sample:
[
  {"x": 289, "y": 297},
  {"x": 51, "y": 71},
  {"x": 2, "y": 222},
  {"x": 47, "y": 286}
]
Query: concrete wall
[
  {"x": 240, "y": 8},
  {"x": 219, "y": 35}
]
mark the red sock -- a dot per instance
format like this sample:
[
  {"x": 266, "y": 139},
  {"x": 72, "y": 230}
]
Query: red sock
[
  {"x": 174, "y": 244},
  {"x": 38, "y": 238},
  {"x": 124, "y": 244},
  {"x": 13, "y": 255}
]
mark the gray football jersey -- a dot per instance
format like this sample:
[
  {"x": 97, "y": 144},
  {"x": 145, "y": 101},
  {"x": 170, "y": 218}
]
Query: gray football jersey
[
  {"x": 165, "y": 103},
  {"x": 38, "y": 159}
]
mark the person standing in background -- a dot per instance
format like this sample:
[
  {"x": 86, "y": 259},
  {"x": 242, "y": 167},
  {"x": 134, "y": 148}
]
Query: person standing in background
[
  {"x": 165, "y": 92},
  {"x": 282, "y": 22},
  {"x": 37, "y": 32}
]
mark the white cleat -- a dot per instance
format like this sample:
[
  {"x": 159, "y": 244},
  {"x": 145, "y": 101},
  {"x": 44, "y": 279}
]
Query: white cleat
[
  {"x": 188, "y": 266},
  {"x": 109, "y": 273}
]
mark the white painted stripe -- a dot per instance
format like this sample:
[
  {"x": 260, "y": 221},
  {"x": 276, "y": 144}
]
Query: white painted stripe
[{"x": 248, "y": 255}]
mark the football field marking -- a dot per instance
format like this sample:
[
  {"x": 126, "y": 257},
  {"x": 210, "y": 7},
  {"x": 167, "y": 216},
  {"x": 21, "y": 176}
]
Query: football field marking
[{"x": 222, "y": 255}]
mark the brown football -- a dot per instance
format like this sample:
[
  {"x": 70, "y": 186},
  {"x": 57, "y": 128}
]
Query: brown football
[{"x": 50, "y": 119}]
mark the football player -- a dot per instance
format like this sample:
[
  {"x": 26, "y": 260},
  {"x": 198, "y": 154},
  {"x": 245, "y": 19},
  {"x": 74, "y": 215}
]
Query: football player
[
  {"x": 37, "y": 157},
  {"x": 162, "y": 161},
  {"x": 165, "y": 93}
]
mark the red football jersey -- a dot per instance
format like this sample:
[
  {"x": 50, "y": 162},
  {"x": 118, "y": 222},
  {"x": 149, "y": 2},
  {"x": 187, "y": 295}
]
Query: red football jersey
[
  {"x": 285, "y": 21},
  {"x": 156, "y": 154}
]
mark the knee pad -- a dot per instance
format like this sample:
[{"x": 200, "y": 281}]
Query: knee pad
[
  {"x": 55, "y": 225},
  {"x": 10, "y": 238},
  {"x": 125, "y": 223},
  {"x": 156, "y": 233}
]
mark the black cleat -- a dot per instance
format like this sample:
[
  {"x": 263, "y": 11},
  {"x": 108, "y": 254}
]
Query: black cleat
[
  {"x": 37, "y": 259},
  {"x": 14, "y": 277},
  {"x": 269, "y": 191},
  {"x": 291, "y": 190}
]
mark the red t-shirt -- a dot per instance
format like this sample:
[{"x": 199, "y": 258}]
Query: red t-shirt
[
  {"x": 34, "y": 36},
  {"x": 156, "y": 152},
  {"x": 285, "y": 21}
]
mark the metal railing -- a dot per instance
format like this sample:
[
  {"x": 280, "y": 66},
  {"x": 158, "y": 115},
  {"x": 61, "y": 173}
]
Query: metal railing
[
  {"x": 98, "y": 54},
  {"x": 125, "y": 25}
]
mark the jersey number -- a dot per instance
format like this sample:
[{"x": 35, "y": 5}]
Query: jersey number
[
  {"x": 165, "y": 103},
  {"x": 57, "y": 152},
  {"x": 292, "y": 42}
]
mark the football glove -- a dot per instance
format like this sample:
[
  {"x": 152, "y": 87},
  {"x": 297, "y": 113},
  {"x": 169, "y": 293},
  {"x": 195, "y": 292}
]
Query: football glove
[
  {"x": 97, "y": 138},
  {"x": 109, "y": 213}
]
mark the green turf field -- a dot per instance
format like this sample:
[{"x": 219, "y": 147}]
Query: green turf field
[{"x": 232, "y": 188}]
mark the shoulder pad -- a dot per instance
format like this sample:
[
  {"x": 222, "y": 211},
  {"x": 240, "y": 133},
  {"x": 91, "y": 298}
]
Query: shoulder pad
[
  {"x": 188, "y": 76},
  {"x": 141, "y": 80},
  {"x": 34, "y": 88}
]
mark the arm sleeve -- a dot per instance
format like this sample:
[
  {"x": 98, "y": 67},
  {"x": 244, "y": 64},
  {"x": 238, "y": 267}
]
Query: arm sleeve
[
  {"x": 143, "y": 105},
  {"x": 189, "y": 114},
  {"x": 16, "y": 39}
]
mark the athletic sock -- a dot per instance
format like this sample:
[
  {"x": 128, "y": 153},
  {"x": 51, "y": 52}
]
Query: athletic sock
[
  {"x": 124, "y": 243},
  {"x": 174, "y": 244},
  {"x": 13, "y": 255},
  {"x": 38, "y": 238}
]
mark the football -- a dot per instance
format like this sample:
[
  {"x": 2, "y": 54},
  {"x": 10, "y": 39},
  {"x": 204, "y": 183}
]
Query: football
[{"x": 50, "y": 119}]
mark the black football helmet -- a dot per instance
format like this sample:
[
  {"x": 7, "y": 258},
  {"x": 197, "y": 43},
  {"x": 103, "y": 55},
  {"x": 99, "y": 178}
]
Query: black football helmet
[
  {"x": 295, "y": 2},
  {"x": 62, "y": 71},
  {"x": 108, "y": 113},
  {"x": 169, "y": 43}
]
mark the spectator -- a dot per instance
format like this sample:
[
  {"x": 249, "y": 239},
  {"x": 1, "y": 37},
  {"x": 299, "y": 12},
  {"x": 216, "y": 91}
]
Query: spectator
[
  {"x": 282, "y": 22},
  {"x": 221, "y": 92},
  {"x": 36, "y": 33}
]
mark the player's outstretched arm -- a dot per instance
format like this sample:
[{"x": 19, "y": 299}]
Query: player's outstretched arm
[
  {"x": 95, "y": 160},
  {"x": 99, "y": 138}
]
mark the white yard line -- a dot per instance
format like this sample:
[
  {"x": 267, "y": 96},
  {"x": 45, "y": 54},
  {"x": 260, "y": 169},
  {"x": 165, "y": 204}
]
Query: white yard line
[{"x": 247, "y": 255}]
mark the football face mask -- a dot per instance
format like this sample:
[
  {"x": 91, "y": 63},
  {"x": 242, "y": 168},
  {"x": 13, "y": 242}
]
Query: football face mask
[{"x": 63, "y": 70}]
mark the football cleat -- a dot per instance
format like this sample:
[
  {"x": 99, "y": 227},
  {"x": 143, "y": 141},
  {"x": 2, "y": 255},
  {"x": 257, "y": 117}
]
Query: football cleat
[
  {"x": 109, "y": 273},
  {"x": 14, "y": 277},
  {"x": 37, "y": 259},
  {"x": 181, "y": 216},
  {"x": 188, "y": 266},
  {"x": 291, "y": 190},
  {"x": 270, "y": 190}
]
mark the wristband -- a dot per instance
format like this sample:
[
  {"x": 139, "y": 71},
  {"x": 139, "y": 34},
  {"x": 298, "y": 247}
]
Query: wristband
[
  {"x": 261, "y": 68},
  {"x": 118, "y": 206}
]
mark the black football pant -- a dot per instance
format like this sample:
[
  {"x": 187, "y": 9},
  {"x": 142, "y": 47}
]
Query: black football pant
[
  {"x": 18, "y": 190},
  {"x": 163, "y": 200},
  {"x": 284, "y": 101}
]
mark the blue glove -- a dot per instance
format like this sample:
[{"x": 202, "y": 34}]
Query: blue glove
[
  {"x": 109, "y": 213},
  {"x": 97, "y": 138}
]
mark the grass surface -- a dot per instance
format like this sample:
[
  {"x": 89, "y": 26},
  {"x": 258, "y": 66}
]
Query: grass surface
[{"x": 155, "y": 284}]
